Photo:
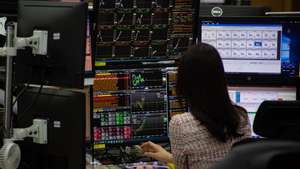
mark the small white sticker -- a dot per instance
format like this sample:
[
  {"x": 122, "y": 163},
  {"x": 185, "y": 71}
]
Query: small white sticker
[
  {"x": 56, "y": 36},
  {"x": 57, "y": 124}
]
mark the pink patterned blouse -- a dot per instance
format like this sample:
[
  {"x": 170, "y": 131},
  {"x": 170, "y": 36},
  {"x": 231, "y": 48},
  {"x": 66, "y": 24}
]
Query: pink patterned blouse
[{"x": 193, "y": 147}]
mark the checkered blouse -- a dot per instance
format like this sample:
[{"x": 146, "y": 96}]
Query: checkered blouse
[{"x": 193, "y": 147}]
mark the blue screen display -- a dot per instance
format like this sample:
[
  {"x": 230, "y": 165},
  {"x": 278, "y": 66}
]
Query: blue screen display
[
  {"x": 266, "y": 46},
  {"x": 290, "y": 49}
]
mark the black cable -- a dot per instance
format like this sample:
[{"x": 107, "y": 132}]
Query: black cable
[
  {"x": 24, "y": 164},
  {"x": 20, "y": 115},
  {"x": 32, "y": 104},
  {"x": 20, "y": 94}
]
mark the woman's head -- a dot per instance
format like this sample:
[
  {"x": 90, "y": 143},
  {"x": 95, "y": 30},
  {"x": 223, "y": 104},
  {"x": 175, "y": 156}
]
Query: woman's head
[{"x": 201, "y": 81}]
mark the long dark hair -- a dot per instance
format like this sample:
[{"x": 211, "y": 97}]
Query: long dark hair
[{"x": 201, "y": 81}]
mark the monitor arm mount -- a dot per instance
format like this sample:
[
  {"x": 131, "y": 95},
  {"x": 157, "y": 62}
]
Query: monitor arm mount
[
  {"x": 38, "y": 43},
  {"x": 10, "y": 153}
]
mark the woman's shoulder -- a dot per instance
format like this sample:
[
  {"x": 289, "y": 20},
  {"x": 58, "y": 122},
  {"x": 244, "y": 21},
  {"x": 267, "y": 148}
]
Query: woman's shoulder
[
  {"x": 242, "y": 112},
  {"x": 245, "y": 126},
  {"x": 240, "y": 109},
  {"x": 184, "y": 124},
  {"x": 182, "y": 118}
]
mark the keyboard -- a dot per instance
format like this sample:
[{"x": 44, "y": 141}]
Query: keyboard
[
  {"x": 138, "y": 165},
  {"x": 145, "y": 165}
]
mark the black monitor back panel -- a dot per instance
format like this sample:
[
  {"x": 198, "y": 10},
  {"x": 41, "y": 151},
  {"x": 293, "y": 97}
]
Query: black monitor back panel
[
  {"x": 65, "y": 112},
  {"x": 8, "y": 7},
  {"x": 66, "y": 26}
]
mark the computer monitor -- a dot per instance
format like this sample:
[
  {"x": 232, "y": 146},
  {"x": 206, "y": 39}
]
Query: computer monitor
[
  {"x": 250, "y": 98},
  {"x": 65, "y": 112},
  {"x": 257, "y": 49},
  {"x": 247, "y": 97},
  {"x": 231, "y": 10},
  {"x": 66, "y": 25},
  {"x": 130, "y": 106}
]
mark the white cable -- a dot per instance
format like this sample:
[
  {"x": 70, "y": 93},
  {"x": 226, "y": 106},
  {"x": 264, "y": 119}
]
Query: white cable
[
  {"x": 139, "y": 20},
  {"x": 102, "y": 3},
  {"x": 136, "y": 35},
  {"x": 99, "y": 36},
  {"x": 177, "y": 44},
  {"x": 122, "y": 19},
  {"x": 154, "y": 52},
  {"x": 157, "y": 5},
  {"x": 119, "y": 35}
]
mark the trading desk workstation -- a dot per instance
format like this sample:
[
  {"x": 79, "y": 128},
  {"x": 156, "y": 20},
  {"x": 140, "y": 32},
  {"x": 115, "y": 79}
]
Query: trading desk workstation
[{"x": 128, "y": 52}]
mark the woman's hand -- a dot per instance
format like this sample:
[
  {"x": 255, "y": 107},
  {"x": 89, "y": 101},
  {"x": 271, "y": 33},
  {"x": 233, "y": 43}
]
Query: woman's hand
[{"x": 156, "y": 151}]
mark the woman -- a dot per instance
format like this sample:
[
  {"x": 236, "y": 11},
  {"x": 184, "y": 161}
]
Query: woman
[{"x": 204, "y": 135}]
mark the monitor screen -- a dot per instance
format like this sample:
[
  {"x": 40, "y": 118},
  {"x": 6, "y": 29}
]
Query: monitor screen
[
  {"x": 250, "y": 98},
  {"x": 258, "y": 46},
  {"x": 142, "y": 31},
  {"x": 130, "y": 106},
  {"x": 176, "y": 104}
]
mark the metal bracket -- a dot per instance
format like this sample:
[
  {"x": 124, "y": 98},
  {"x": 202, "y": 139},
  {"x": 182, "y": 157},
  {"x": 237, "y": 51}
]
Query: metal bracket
[
  {"x": 38, "y": 131},
  {"x": 38, "y": 42}
]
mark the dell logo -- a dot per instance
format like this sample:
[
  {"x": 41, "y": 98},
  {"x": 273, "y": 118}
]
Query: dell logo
[{"x": 217, "y": 11}]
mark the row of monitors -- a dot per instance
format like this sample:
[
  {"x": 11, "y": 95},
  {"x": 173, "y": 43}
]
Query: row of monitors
[
  {"x": 250, "y": 48},
  {"x": 134, "y": 125},
  {"x": 136, "y": 105},
  {"x": 261, "y": 50},
  {"x": 255, "y": 49}
]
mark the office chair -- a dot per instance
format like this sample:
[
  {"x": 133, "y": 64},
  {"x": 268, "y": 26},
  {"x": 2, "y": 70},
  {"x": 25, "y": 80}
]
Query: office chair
[
  {"x": 278, "y": 120},
  {"x": 279, "y": 123},
  {"x": 267, "y": 154}
]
